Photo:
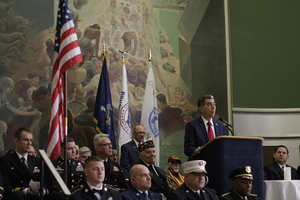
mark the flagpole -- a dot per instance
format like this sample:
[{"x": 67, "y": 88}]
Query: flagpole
[{"x": 66, "y": 130}]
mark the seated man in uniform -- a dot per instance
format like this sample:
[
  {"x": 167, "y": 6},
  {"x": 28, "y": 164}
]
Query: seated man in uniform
[
  {"x": 93, "y": 187},
  {"x": 140, "y": 179},
  {"x": 242, "y": 185},
  {"x": 159, "y": 182},
  {"x": 194, "y": 182},
  {"x": 75, "y": 167},
  {"x": 174, "y": 178},
  {"x": 84, "y": 153},
  {"x": 114, "y": 175},
  {"x": 274, "y": 171},
  {"x": 19, "y": 168}
]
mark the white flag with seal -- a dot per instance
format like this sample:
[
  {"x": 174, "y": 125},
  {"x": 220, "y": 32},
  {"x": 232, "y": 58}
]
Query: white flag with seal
[
  {"x": 150, "y": 113},
  {"x": 124, "y": 128}
]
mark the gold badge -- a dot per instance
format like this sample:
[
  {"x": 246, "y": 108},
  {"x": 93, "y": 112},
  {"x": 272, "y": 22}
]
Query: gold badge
[
  {"x": 200, "y": 163},
  {"x": 86, "y": 190},
  {"x": 187, "y": 191},
  {"x": 248, "y": 169}
]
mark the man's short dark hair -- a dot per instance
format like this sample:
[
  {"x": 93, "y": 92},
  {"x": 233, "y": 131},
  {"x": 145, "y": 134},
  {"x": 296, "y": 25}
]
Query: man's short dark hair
[
  {"x": 283, "y": 147},
  {"x": 161, "y": 98},
  {"x": 19, "y": 131},
  {"x": 62, "y": 145},
  {"x": 90, "y": 159},
  {"x": 202, "y": 99}
]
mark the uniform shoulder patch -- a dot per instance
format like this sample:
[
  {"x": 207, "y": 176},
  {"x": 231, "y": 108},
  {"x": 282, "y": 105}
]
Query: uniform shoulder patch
[
  {"x": 77, "y": 188},
  {"x": 227, "y": 193},
  {"x": 111, "y": 187}
]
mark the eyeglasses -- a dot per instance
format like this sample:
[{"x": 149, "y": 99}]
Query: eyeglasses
[{"x": 106, "y": 145}]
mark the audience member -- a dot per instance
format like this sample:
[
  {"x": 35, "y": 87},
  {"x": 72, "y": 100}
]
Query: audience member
[
  {"x": 114, "y": 156},
  {"x": 114, "y": 175},
  {"x": 84, "y": 153},
  {"x": 200, "y": 131},
  {"x": 19, "y": 168},
  {"x": 242, "y": 185},
  {"x": 174, "y": 178},
  {"x": 140, "y": 179},
  {"x": 159, "y": 182},
  {"x": 75, "y": 167},
  {"x": 93, "y": 187},
  {"x": 194, "y": 182},
  {"x": 274, "y": 171},
  {"x": 129, "y": 151}
]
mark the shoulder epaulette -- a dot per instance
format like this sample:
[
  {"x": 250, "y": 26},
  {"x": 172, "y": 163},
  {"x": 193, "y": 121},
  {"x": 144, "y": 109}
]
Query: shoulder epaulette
[
  {"x": 227, "y": 193},
  {"x": 1, "y": 188},
  {"x": 77, "y": 188},
  {"x": 111, "y": 187},
  {"x": 255, "y": 195},
  {"x": 16, "y": 189}
]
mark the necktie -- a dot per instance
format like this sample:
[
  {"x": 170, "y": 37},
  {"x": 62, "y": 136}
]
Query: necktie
[
  {"x": 156, "y": 176},
  {"x": 106, "y": 165},
  {"x": 98, "y": 191},
  {"x": 198, "y": 194},
  {"x": 143, "y": 196},
  {"x": 210, "y": 131},
  {"x": 282, "y": 168},
  {"x": 23, "y": 163}
]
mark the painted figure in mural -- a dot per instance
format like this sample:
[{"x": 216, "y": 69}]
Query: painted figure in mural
[
  {"x": 92, "y": 85},
  {"x": 137, "y": 71},
  {"x": 3, "y": 129},
  {"x": 127, "y": 38},
  {"x": 134, "y": 18},
  {"x": 78, "y": 4},
  {"x": 21, "y": 88},
  {"x": 90, "y": 70},
  {"x": 6, "y": 7},
  {"x": 75, "y": 17},
  {"x": 41, "y": 100},
  {"x": 85, "y": 118},
  {"x": 200, "y": 131},
  {"x": 105, "y": 39},
  {"x": 90, "y": 33},
  {"x": 169, "y": 118}
]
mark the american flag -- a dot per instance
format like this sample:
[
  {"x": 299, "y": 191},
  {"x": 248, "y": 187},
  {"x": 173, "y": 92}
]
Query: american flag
[{"x": 66, "y": 54}]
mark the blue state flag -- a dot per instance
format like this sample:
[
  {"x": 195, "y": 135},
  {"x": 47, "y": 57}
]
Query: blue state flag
[{"x": 103, "y": 114}]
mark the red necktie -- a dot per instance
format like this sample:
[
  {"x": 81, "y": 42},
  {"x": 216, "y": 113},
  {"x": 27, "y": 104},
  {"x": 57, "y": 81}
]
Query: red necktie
[{"x": 210, "y": 131}]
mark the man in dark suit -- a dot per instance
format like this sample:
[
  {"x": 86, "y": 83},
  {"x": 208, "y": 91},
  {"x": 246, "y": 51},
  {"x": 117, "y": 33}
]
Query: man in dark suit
[
  {"x": 200, "y": 131},
  {"x": 274, "y": 171},
  {"x": 194, "y": 181},
  {"x": 114, "y": 175},
  {"x": 93, "y": 188},
  {"x": 159, "y": 183},
  {"x": 242, "y": 185},
  {"x": 19, "y": 168},
  {"x": 75, "y": 167},
  {"x": 129, "y": 151},
  {"x": 140, "y": 179}
]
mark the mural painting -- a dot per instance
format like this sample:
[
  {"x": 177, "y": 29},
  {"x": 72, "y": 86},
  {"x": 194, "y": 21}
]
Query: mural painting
[{"x": 26, "y": 61}]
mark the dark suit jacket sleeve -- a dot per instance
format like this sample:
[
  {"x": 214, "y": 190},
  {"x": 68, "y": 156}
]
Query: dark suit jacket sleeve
[
  {"x": 3, "y": 170},
  {"x": 124, "y": 157},
  {"x": 1, "y": 185},
  {"x": 173, "y": 196},
  {"x": 189, "y": 139},
  {"x": 269, "y": 172}
]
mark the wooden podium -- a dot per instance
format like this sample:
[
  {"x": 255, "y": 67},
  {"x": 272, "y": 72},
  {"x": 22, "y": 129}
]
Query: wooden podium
[{"x": 226, "y": 153}]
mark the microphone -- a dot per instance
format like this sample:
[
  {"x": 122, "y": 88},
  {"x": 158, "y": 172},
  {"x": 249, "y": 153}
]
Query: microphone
[
  {"x": 227, "y": 125},
  {"x": 224, "y": 121}
]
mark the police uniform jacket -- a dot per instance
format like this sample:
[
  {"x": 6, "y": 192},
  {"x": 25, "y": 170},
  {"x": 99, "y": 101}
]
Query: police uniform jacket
[
  {"x": 231, "y": 195},
  {"x": 15, "y": 176},
  {"x": 75, "y": 171},
  {"x": 84, "y": 192},
  {"x": 134, "y": 194},
  {"x": 115, "y": 176},
  {"x": 185, "y": 193},
  {"x": 159, "y": 183}
]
